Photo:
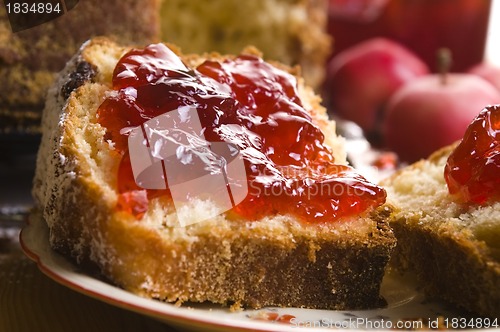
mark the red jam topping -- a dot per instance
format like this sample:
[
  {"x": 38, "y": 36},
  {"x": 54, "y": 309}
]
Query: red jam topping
[
  {"x": 247, "y": 102},
  {"x": 473, "y": 168}
]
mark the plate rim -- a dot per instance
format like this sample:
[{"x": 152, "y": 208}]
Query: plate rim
[
  {"x": 45, "y": 264},
  {"x": 63, "y": 271},
  {"x": 179, "y": 316}
]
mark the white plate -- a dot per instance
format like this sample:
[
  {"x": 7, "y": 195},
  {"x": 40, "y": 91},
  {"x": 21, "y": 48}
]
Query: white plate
[{"x": 405, "y": 304}]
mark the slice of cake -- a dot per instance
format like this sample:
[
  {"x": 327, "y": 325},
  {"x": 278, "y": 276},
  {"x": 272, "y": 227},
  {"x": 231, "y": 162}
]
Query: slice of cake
[
  {"x": 128, "y": 132},
  {"x": 448, "y": 218}
]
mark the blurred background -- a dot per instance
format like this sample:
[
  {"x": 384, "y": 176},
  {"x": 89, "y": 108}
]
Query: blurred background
[
  {"x": 421, "y": 25},
  {"x": 410, "y": 75}
]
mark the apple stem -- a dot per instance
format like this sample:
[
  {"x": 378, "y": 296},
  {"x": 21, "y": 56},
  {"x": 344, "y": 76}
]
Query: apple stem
[{"x": 444, "y": 61}]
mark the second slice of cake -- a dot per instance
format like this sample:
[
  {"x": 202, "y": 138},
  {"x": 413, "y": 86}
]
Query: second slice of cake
[{"x": 447, "y": 218}]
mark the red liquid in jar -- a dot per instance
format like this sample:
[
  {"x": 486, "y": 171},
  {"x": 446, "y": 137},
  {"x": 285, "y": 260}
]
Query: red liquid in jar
[
  {"x": 246, "y": 102},
  {"x": 473, "y": 168}
]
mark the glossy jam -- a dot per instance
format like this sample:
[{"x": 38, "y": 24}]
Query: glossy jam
[
  {"x": 247, "y": 102},
  {"x": 473, "y": 168}
]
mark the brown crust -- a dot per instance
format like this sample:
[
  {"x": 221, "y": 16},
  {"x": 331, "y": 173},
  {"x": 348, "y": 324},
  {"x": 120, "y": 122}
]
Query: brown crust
[
  {"x": 449, "y": 265},
  {"x": 449, "y": 260},
  {"x": 275, "y": 261},
  {"x": 241, "y": 267}
]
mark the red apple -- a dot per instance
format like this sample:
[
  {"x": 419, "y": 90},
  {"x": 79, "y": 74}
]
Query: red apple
[
  {"x": 488, "y": 71},
  {"x": 361, "y": 79},
  {"x": 427, "y": 113}
]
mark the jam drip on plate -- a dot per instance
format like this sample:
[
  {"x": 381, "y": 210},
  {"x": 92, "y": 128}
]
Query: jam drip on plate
[
  {"x": 472, "y": 171},
  {"x": 252, "y": 105}
]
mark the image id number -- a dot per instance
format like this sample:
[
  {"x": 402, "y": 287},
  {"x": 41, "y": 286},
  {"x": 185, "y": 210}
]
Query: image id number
[
  {"x": 32, "y": 8},
  {"x": 470, "y": 323}
]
